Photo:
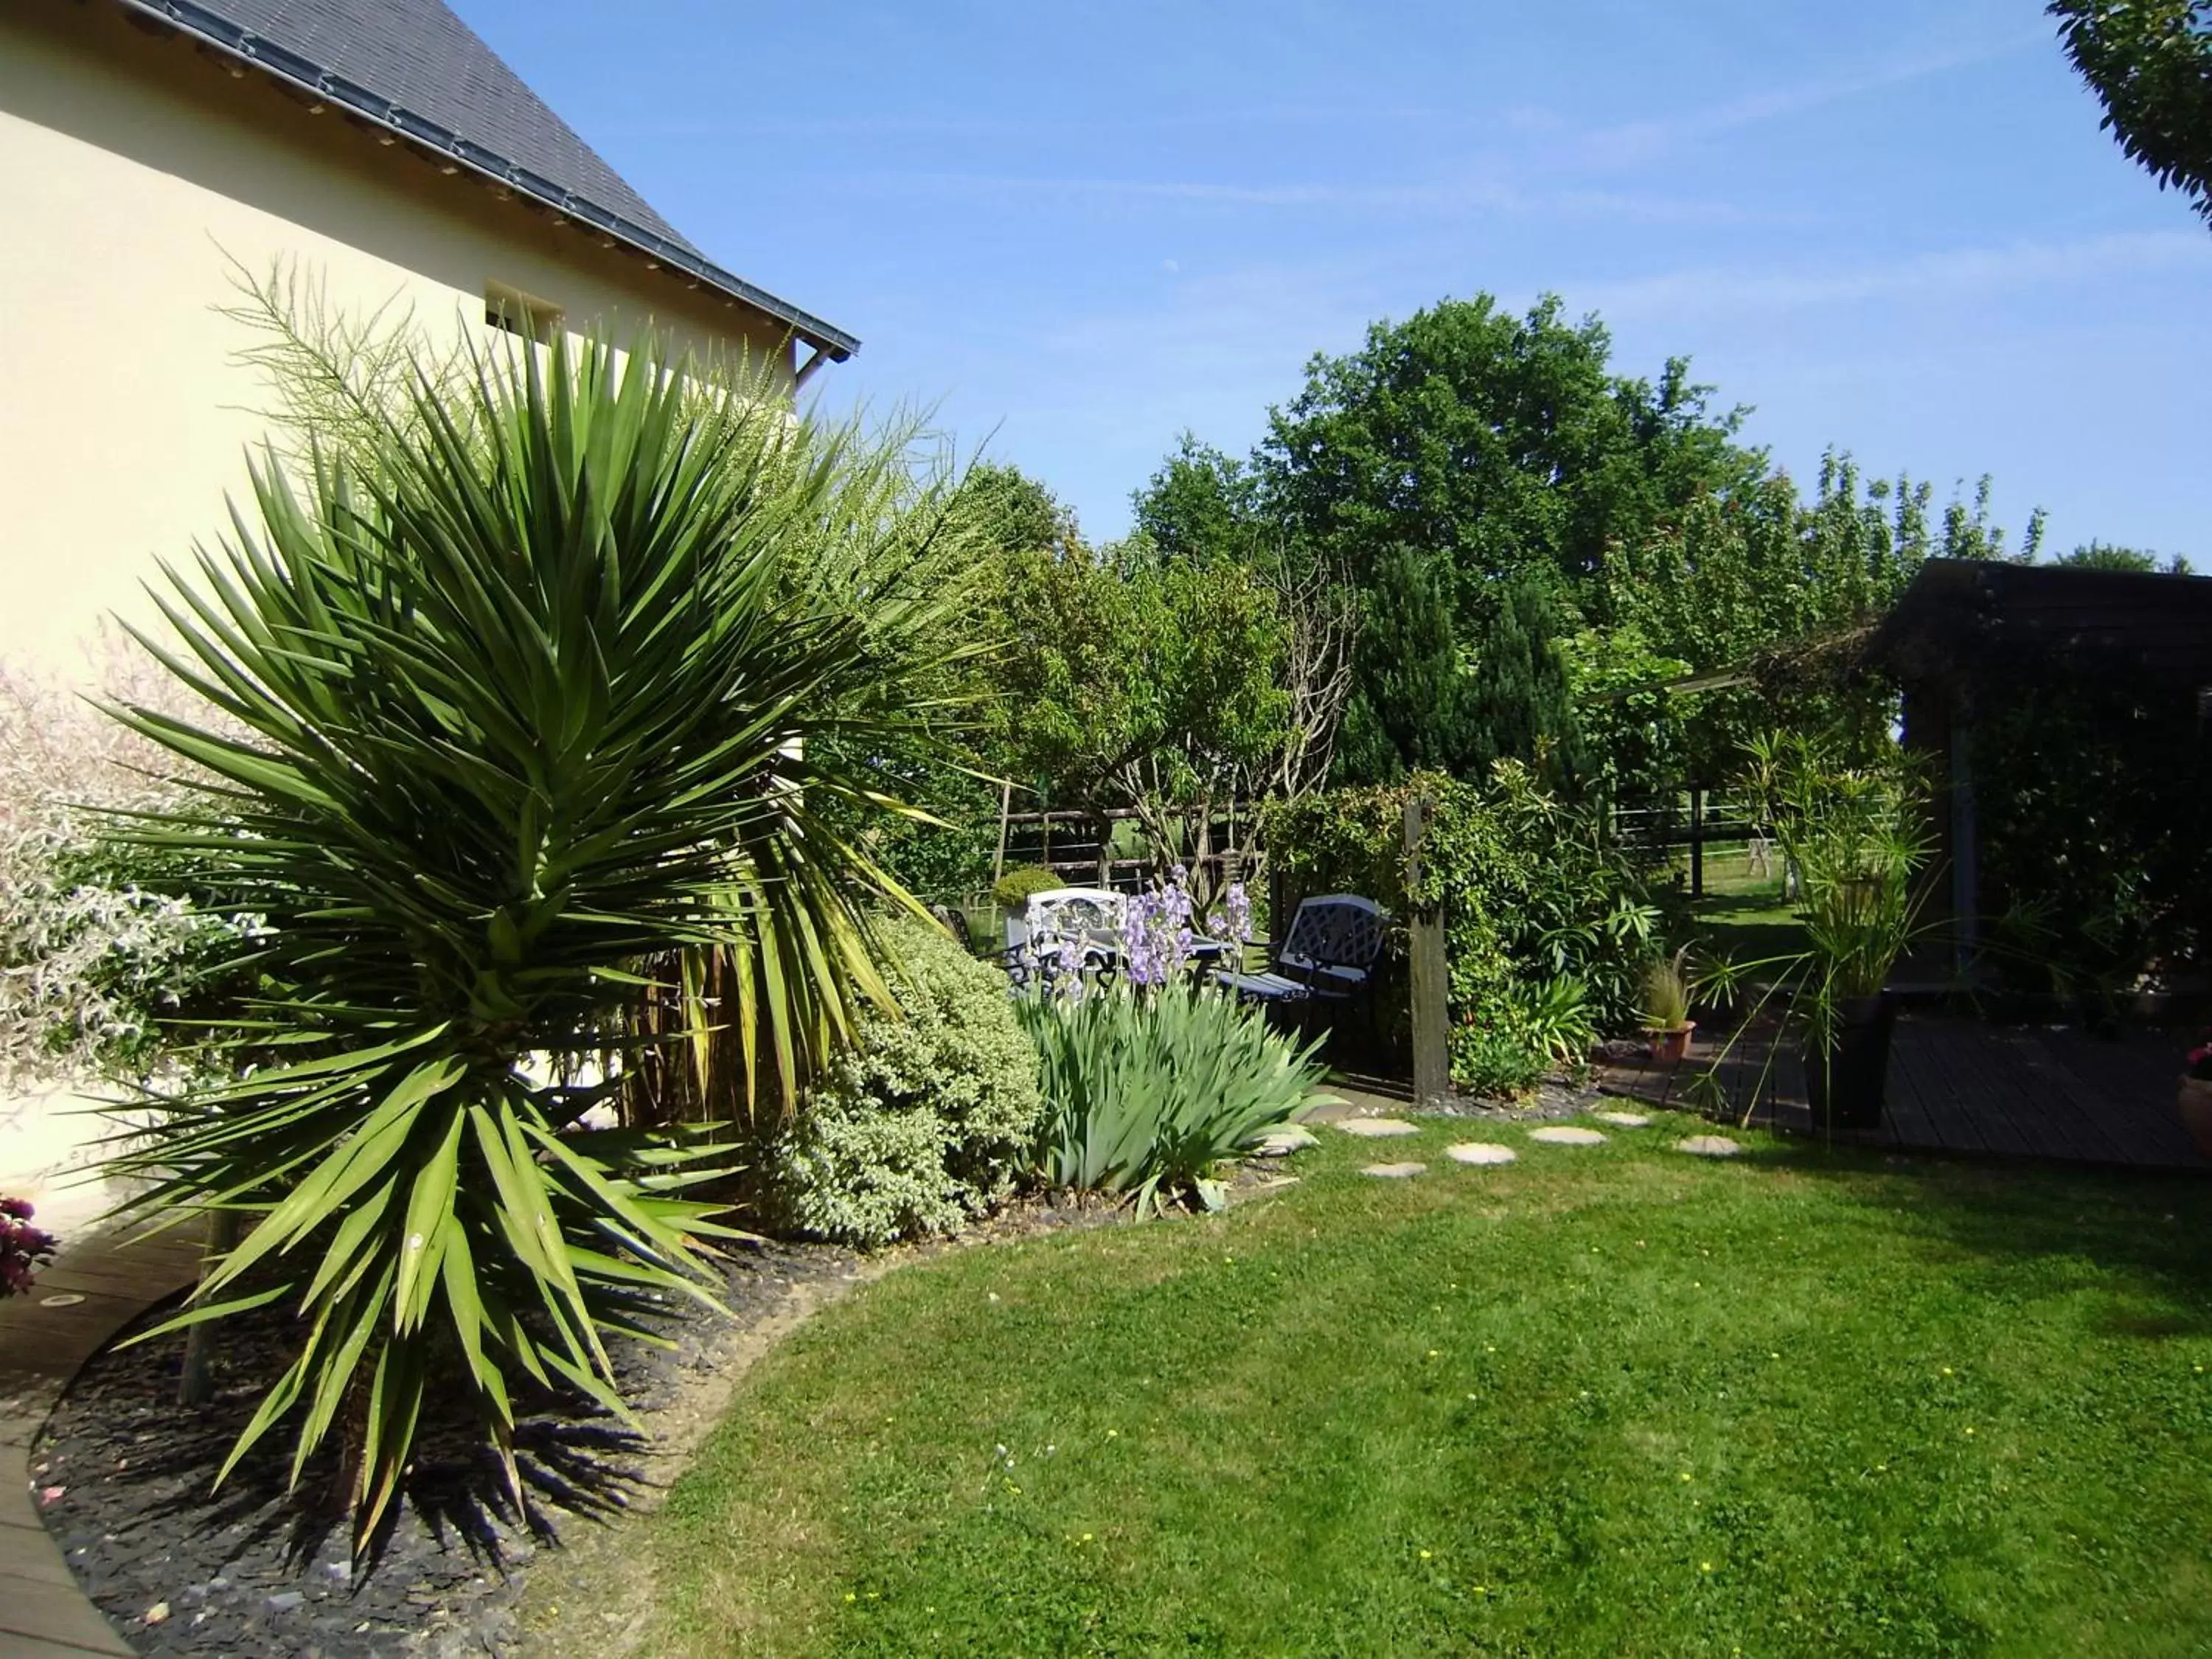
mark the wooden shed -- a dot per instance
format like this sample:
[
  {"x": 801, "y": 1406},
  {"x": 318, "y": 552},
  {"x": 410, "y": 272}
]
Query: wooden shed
[{"x": 1966, "y": 631}]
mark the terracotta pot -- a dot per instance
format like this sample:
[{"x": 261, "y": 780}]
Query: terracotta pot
[
  {"x": 1670, "y": 1048},
  {"x": 2196, "y": 1111}
]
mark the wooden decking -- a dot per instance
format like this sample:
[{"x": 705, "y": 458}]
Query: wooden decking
[{"x": 1958, "y": 1086}]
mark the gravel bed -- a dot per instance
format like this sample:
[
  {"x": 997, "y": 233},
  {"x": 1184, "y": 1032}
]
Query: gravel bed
[
  {"x": 1554, "y": 1098},
  {"x": 250, "y": 1570}
]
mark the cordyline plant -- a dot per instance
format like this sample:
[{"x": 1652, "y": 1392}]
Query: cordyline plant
[{"x": 523, "y": 690}]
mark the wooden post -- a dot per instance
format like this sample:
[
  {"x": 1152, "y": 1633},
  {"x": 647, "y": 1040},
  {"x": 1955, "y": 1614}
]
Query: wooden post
[
  {"x": 1696, "y": 842},
  {"x": 1965, "y": 849},
  {"x": 1429, "y": 976},
  {"x": 1006, "y": 820}
]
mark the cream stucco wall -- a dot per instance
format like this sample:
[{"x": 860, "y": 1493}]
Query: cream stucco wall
[{"x": 133, "y": 169}]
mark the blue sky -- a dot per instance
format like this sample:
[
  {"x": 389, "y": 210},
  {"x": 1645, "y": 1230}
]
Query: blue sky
[{"x": 1078, "y": 230}]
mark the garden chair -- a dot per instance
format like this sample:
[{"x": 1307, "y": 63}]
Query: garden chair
[
  {"x": 1091, "y": 917},
  {"x": 1329, "y": 954}
]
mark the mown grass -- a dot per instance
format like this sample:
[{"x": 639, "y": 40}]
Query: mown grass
[{"x": 1607, "y": 1401}]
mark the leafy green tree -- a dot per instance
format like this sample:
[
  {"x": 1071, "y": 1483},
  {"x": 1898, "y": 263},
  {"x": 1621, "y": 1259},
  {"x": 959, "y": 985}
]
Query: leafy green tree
[
  {"x": 1493, "y": 443},
  {"x": 2150, "y": 63},
  {"x": 1133, "y": 679},
  {"x": 551, "y": 678},
  {"x": 1203, "y": 504},
  {"x": 2104, "y": 555},
  {"x": 1764, "y": 592},
  {"x": 1007, "y": 511}
]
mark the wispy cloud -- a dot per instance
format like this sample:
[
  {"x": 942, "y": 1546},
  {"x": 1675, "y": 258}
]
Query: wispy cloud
[
  {"x": 1633, "y": 142},
  {"x": 1429, "y": 199},
  {"x": 1948, "y": 274}
]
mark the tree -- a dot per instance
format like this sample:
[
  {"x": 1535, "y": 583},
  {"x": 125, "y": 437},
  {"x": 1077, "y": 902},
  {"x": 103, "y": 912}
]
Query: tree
[
  {"x": 1203, "y": 504},
  {"x": 2149, "y": 63},
  {"x": 1133, "y": 679},
  {"x": 1492, "y": 444},
  {"x": 1411, "y": 707},
  {"x": 1009, "y": 512},
  {"x": 2104, "y": 555},
  {"x": 1522, "y": 707}
]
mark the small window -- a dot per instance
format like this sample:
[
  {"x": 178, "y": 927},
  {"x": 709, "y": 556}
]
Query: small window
[{"x": 517, "y": 313}]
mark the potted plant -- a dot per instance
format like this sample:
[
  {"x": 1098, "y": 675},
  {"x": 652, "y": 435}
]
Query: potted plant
[
  {"x": 1853, "y": 833},
  {"x": 1666, "y": 1008},
  {"x": 2197, "y": 1095}
]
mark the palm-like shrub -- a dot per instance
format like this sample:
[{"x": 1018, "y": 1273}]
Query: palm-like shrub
[
  {"x": 1144, "y": 1094},
  {"x": 535, "y": 686}
]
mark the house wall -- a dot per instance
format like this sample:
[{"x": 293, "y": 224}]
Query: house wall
[{"x": 134, "y": 170}]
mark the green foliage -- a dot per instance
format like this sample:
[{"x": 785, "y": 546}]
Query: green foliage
[
  {"x": 2150, "y": 63},
  {"x": 1546, "y": 922},
  {"x": 1857, "y": 836},
  {"x": 1201, "y": 504},
  {"x": 1012, "y": 889},
  {"x": 553, "y": 682},
  {"x": 1666, "y": 1003},
  {"x": 1523, "y": 710},
  {"x": 1146, "y": 1094},
  {"x": 1412, "y": 707},
  {"x": 1139, "y": 679},
  {"x": 1493, "y": 442},
  {"x": 1463, "y": 446},
  {"x": 1636, "y": 733},
  {"x": 105, "y": 949},
  {"x": 2094, "y": 785},
  {"x": 922, "y": 1123},
  {"x": 1757, "y": 584},
  {"x": 1008, "y": 511},
  {"x": 2104, "y": 555}
]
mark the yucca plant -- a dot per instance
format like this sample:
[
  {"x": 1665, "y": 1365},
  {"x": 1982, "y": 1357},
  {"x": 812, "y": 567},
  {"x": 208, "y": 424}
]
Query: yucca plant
[
  {"x": 546, "y": 679},
  {"x": 1145, "y": 1094}
]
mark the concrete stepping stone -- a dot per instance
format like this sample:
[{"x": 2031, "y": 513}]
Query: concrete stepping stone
[
  {"x": 1480, "y": 1151},
  {"x": 1281, "y": 1143},
  {"x": 1378, "y": 1128},
  {"x": 1708, "y": 1146},
  {"x": 1625, "y": 1120},
  {"x": 1566, "y": 1135},
  {"x": 1395, "y": 1171}
]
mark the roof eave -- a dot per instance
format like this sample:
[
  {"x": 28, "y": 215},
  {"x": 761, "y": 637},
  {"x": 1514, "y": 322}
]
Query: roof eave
[{"x": 294, "y": 70}]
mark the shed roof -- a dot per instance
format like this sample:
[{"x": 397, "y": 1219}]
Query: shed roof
[
  {"x": 1961, "y": 611},
  {"x": 415, "y": 67}
]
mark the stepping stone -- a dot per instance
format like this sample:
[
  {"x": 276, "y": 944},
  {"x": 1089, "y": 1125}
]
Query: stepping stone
[
  {"x": 1626, "y": 1120},
  {"x": 1377, "y": 1128},
  {"x": 1708, "y": 1146},
  {"x": 1480, "y": 1151},
  {"x": 1393, "y": 1172},
  {"x": 1566, "y": 1135},
  {"x": 1281, "y": 1143}
]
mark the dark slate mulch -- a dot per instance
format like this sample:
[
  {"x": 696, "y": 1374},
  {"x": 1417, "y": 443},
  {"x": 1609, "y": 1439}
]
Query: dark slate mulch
[{"x": 253, "y": 1570}]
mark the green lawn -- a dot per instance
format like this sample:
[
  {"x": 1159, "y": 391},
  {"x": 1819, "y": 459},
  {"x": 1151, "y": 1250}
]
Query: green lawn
[
  {"x": 1743, "y": 917},
  {"x": 1606, "y": 1401}
]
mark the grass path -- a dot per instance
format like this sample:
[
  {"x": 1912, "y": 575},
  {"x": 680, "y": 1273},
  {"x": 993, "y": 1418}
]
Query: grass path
[{"x": 1605, "y": 1401}]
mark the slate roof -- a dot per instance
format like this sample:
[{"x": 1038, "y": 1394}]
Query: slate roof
[{"x": 417, "y": 67}]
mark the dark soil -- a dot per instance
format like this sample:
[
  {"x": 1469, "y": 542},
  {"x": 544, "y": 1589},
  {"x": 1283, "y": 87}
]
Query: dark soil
[{"x": 255, "y": 1569}]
